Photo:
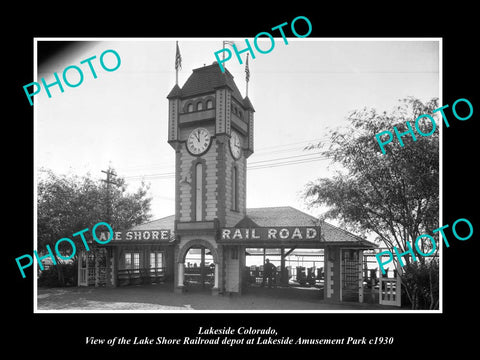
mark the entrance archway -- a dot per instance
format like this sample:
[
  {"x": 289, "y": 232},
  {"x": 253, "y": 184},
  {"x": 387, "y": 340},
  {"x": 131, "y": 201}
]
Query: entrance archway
[{"x": 197, "y": 266}]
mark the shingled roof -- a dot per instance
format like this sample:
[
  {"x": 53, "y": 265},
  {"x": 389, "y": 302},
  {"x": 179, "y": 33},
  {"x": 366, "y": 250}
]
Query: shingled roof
[
  {"x": 205, "y": 80},
  {"x": 287, "y": 216},
  {"x": 166, "y": 223},
  {"x": 283, "y": 216}
]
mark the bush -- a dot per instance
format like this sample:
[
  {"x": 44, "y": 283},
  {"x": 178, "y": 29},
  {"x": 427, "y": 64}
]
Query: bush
[
  {"x": 52, "y": 277},
  {"x": 420, "y": 285}
]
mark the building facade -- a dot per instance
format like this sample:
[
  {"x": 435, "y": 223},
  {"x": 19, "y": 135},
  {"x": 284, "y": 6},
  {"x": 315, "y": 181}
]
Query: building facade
[{"x": 210, "y": 129}]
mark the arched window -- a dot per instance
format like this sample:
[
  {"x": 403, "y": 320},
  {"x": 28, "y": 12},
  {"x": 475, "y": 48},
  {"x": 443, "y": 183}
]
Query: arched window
[
  {"x": 199, "y": 106},
  {"x": 198, "y": 192},
  {"x": 209, "y": 104},
  {"x": 190, "y": 107}
]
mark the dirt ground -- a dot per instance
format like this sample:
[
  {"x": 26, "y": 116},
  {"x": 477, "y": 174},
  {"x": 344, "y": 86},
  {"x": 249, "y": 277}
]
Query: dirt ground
[{"x": 161, "y": 297}]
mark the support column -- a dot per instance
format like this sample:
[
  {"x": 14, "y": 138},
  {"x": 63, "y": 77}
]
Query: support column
[
  {"x": 180, "y": 277},
  {"x": 97, "y": 268},
  {"x": 115, "y": 266},
  {"x": 221, "y": 269},
  {"x": 332, "y": 282},
  {"x": 79, "y": 266},
  {"x": 108, "y": 266},
  {"x": 283, "y": 273},
  {"x": 328, "y": 278},
  {"x": 241, "y": 270},
  {"x": 360, "y": 276},
  {"x": 216, "y": 276},
  {"x": 202, "y": 266},
  {"x": 337, "y": 275},
  {"x": 87, "y": 277},
  {"x": 215, "y": 290}
]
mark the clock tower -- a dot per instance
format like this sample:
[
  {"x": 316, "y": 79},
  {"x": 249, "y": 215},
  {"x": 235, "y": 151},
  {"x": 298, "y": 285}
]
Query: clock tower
[{"x": 210, "y": 127}]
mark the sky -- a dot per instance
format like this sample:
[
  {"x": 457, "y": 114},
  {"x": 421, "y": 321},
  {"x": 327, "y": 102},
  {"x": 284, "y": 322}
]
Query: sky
[{"x": 299, "y": 91}]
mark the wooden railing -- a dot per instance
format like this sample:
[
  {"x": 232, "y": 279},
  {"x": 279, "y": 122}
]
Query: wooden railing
[
  {"x": 197, "y": 275},
  {"x": 141, "y": 276}
]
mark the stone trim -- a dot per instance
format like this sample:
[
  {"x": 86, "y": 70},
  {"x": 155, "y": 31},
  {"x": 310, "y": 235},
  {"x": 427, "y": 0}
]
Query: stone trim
[{"x": 180, "y": 257}]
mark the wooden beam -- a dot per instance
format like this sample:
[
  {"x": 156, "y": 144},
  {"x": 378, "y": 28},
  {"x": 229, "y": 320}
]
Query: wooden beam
[
  {"x": 283, "y": 275},
  {"x": 202, "y": 266},
  {"x": 289, "y": 251}
]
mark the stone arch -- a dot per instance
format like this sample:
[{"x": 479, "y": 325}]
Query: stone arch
[
  {"x": 196, "y": 242},
  {"x": 209, "y": 98},
  {"x": 187, "y": 104},
  {"x": 198, "y": 102}
]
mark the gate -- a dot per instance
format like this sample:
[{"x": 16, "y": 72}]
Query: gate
[
  {"x": 351, "y": 275},
  {"x": 82, "y": 269},
  {"x": 390, "y": 291},
  {"x": 82, "y": 277},
  {"x": 89, "y": 270}
]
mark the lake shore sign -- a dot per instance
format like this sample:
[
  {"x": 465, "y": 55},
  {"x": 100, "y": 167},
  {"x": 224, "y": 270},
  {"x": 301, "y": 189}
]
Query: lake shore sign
[{"x": 209, "y": 238}]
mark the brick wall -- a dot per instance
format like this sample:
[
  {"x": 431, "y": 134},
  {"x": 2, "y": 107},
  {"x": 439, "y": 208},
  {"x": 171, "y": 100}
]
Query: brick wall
[
  {"x": 231, "y": 271},
  {"x": 232, "y": 217},
  {"x": 210, "y": 184},
  {"x": 187, "y": 191},
  {"x": 329, "y": 279},
  {"x": 173, "y": 112}
]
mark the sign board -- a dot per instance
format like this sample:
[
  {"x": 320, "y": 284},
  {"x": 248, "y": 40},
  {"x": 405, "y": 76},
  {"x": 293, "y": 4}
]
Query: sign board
[
  {"x": 272, "y": 233},
  {"x": 137, "y": 235}
]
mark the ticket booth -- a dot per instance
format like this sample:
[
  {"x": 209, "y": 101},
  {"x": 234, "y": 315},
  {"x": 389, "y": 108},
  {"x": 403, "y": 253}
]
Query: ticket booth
[{"x": 344, "y": 274}]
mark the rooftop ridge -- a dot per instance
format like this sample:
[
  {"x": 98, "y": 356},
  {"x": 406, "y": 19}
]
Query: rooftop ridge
[{"x": 208, "y": 78}]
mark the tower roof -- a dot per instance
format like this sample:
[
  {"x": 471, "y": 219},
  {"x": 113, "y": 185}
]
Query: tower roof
[
  {"x": 206, "y": 79},
  {"x": 175, "y": 92}
]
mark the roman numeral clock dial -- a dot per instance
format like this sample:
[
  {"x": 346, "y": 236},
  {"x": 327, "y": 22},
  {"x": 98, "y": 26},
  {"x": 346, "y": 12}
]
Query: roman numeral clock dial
[
  {"x": 235, "y": 145},
  {"x": 198, "y": 141}
]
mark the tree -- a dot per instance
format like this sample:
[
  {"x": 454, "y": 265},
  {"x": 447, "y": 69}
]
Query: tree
[
  {"x": 393, "y": 195},
  {"x": 68, "y": 204}
]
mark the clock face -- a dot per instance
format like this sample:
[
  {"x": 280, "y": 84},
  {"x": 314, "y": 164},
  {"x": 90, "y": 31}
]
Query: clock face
[
  {"x": 198, "y": 141},
  {"x": 235, "y": 145}
]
